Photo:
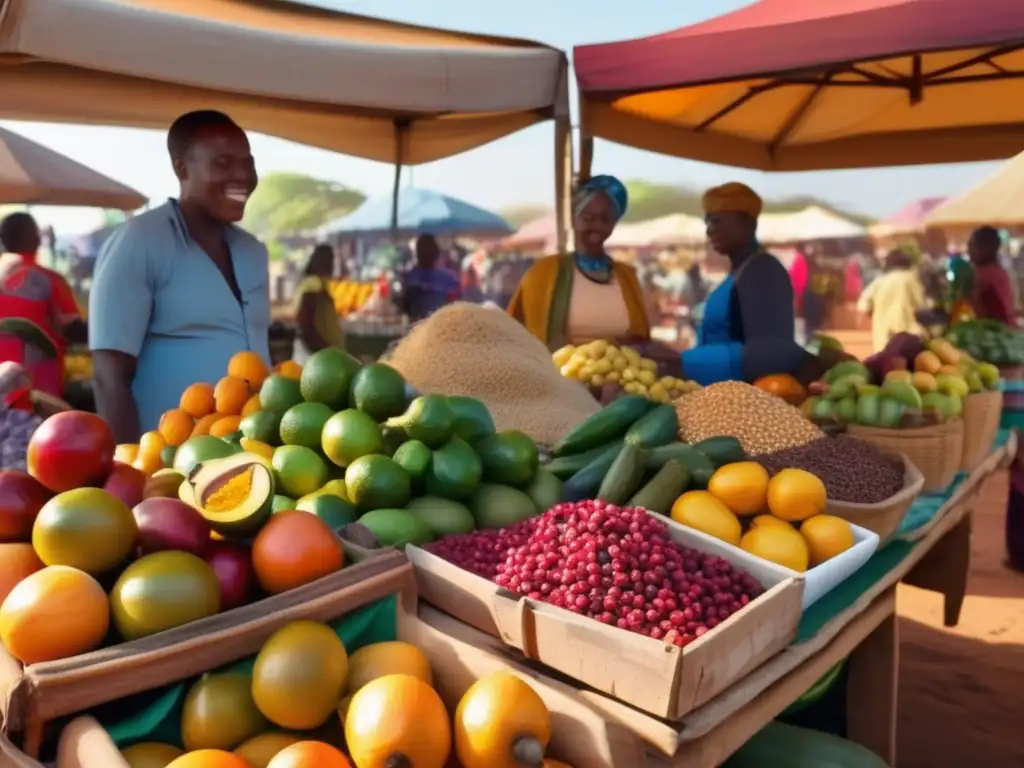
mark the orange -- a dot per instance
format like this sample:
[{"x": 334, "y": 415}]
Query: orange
[
  {"x": 126, "y": 453},
  {"x": 225, "y": 425},
  {"x": 251, "y": 405},
  {"x": 289, "y": 369},
  {"x": 54, "y": 613},
  {"x": 176, "y": 426},
  {"x": 148, "y": 463},
  {"x": 150, "y": 755},
  {"x": 209, "y": 758},
  {"x": 202, "y": 426},
  {"x": 260, "y": 750},
  {"x": 197, "y": 400},
  {"x": 795, "y": 494},
  {"x": 743, "y": 486},
  {"x": 151, "y": 443},
  {"x": 231, "y": 395},
  {"x": 295, "y": 548},
  {"x": 309, "y": 754},
  {"x": 826, "y": 537},
  {"x": 249, "y": 367},
  {"x": 17, "y": 562}
]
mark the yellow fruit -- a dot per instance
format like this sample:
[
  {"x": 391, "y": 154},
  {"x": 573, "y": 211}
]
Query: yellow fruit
[
  {"x": 289, "y": 369},
  {"x": 603, "y": 366},
  {"x": 629, "y": 374},
  {"x": 260, "y": 750},
  {"x": 769, "y": 520},
  {"x": 826, "y": 537},
  {"x": 597, "y": 380},
  {"x": 647, "y": 378},
  {"x": 570, "y": 369},
  {"x": 150, "y": 754},
  {"x": 126, "y": 453},
  {"x": 251, "y": 405},
  {"x": 620, "y": 363},
  {"x": 795, "y": 494},
  {"x": 501, "y": 722},
  {"x": 255, "y": 446},
  {"x": 612, "y": 375},
  {"x": 388, "y": 658},
  {"x": 743, "y": 486},
  {"x": 561, "y": 356},
  {"x": 777, "y": 545},
  {"x": 705, "y": 512},
  {"x": 648, "y": 365}
]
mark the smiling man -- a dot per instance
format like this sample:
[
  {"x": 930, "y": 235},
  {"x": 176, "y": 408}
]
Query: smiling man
[{"x": 179, "y": 289}]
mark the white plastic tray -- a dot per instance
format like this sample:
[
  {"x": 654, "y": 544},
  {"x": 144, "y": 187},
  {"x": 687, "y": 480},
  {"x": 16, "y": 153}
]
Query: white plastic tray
[{"x": 818, "y": 581}]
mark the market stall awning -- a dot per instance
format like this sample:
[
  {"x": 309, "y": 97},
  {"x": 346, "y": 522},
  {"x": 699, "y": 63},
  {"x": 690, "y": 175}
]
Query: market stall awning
[
  {"x": 797, "y": 85},
  {"x": 997, "y": 200},
  {"x": 811, "y": 223},
  {"x": 419, "y": 211},
  {"x": 540, "y": 233},
  {"x": 674, "y": 229},
  {"x": 907, "y": 220},
  {"x": 33, "y": 174},
  {"x": 329, "y": 79}
]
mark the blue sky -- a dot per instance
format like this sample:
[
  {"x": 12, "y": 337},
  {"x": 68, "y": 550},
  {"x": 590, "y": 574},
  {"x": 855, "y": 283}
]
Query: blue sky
[{"x": 517, "y": 169}]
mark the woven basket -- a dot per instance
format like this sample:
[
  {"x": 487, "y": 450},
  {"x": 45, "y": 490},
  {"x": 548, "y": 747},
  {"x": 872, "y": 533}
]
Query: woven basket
[
  {"x": 982, "y": 413},
  {"x": 935, "y": 451},
  {"x": 883, "y": 518}
]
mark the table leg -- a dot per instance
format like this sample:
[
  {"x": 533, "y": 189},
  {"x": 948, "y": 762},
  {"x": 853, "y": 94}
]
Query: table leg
[
  {"x": 944, "y": 569},
  {"x": 871, "y": 691}
]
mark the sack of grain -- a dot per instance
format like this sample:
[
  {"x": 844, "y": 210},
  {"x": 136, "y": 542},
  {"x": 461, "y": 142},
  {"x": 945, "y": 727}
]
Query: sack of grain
[{"x": 465, "y": 349}]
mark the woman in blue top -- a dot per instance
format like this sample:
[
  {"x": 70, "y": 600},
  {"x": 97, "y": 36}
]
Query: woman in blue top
[
  {"x": 748, "y": 328},
  {"x": 180, "y": 289}
]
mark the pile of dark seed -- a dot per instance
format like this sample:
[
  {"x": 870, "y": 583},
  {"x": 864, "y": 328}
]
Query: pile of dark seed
[{"x": 851, "y": 469}]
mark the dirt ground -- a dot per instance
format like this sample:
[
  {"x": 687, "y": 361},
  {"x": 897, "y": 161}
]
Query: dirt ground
[{"x": 961, "y": 690}]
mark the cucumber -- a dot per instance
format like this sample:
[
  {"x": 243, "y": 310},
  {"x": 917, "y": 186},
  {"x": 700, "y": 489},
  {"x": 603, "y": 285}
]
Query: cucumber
[
  {"x": 662, "y": 490},
  {"x": 625, "y": 476},
  {"x": 585, "y": 483},
  {"x": 565, "y": 467},
  {"x": 700, "y": 467},
  {"x": 721, "y": 450},
  {"x": 780, "y": 744},
  {"x": 658, "y": 426},
  {"x": 609, "y": 423}
]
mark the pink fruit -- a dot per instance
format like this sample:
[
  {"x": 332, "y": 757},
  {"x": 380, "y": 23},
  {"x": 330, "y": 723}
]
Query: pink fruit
[
  {"x": 21, "y": 498},
  {"x": 619, "y": 566},
  {"x": 170, "y": 524},
  {"x": 233, "y": 565},
  {"x": 125, "y": 483}
]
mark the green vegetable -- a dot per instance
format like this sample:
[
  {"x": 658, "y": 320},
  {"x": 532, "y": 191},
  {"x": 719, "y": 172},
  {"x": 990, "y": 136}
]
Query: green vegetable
[
  {"x": 565, "y": 467},
  {"x": 700, "y": 467},
  {"x": 658, "y": 426},
  {"x": 722, "y": 450},
  {"x": 609, "y": 423},
  {"x": 625, "y": 475},
  {"x": 586, "y": 482},
  {"x": 661, "y": 491},
  {"x": 778, "y": 745}
]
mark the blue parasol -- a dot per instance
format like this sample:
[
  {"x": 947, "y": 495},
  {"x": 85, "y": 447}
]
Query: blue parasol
[{"x": 419, "y": 211}]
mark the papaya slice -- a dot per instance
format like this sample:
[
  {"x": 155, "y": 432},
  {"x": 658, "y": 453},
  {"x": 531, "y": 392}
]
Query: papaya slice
[{"x": 234, "y": 494}]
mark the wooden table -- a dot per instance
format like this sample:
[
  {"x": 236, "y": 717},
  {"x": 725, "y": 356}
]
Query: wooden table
[{"x": 866, "y": 633}]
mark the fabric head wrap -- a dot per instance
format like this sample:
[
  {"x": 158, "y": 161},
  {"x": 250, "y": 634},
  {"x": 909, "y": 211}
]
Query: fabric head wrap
[
  {"x": 732, "y": 197},
  {"x": 609, "y": 186}
]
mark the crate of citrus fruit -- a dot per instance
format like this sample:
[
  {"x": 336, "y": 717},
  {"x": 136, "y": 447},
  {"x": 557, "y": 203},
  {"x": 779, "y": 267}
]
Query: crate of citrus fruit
[{"x": 602, "y": 362}]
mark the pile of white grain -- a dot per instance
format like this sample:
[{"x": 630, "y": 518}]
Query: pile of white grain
[{"x": 465, "y": 349}]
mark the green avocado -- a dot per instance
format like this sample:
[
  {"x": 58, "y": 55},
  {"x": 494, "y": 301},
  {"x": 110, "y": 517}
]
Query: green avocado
[
  {"x": 455, "y": 471},
  {"x": 508, "y": 457}
]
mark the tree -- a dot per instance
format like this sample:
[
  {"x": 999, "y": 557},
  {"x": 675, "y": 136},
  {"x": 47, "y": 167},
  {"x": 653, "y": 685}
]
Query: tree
[{"x": 285, "y": 203}]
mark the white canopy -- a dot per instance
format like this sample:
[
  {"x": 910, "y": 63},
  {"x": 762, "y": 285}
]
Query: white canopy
[
  {"x": 812, "y": 223},
  {"x": 997, "y": 200},
  {"x": 329, "y": 79},
  {"x": 674, "y": 229}
]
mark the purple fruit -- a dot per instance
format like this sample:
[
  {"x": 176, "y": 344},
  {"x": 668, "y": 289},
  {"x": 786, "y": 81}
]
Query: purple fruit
[
  {"x": 233, "y": 566},
  {"x": 166, "y": 524}
]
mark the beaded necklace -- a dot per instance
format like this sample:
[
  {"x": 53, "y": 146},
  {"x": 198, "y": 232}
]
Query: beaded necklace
[{"x": 595, "y": 268}]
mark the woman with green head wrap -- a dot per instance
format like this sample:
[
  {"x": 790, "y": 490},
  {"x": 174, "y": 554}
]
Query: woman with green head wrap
[{"x": 585, "y": 295}]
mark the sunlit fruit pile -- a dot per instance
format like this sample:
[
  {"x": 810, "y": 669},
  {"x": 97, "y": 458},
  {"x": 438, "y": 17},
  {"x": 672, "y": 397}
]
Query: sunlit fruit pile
[
  {"x": 307, "y": 703},
  {"x": 913, "y": 382},
  {"x": 601, "y": 362},
  {"x": 350, "y": 296},
  {"x": 78, "y": 366},
  {"x": 780, "y": 519},
  {"x": 78, "y": 519},
  {"x": 619, "y": 566}
]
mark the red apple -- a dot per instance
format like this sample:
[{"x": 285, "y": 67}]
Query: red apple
[
  {"x": 21, "y": 498},
  {"x": 126, "y": 483},
  {"x": 233, "y": 565},
  {"x": 170, "y": 524},
  {"x": 73, "y": 449}
]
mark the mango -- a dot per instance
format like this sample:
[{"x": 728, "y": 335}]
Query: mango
[
  {"x": 846, "y": 368},
  {"x": 945, "y": 351},
  {"x": 989, "y": 375},
  {"x": 868, "y": 410},
  {"x": 927, "y": 362},
  {"x": 924, "y": 382},
  {"x": 973, "y": 379},
  {"x": 846, "y": 386},
  {"x": 846, "y": 410},
  {"x": 898, "y": 375},
  {"x": 869, "y": 389},
  {"x": 940, "y": 404},
  {"x": 902, "y": 392},
  {"x": 952, "y": 370},
  {"x": 948, "y": 384},
  {"x": 890, "y": 412}
]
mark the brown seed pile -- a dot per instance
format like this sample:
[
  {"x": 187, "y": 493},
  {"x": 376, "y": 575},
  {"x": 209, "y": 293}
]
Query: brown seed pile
[
  {"x": 852, "y": 470},
  {"x": 465, "y": 349},
  {"x": 762, "y": 422}
]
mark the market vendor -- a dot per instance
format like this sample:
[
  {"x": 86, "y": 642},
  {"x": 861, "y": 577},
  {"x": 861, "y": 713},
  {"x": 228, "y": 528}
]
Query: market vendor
[
  {"x": 586, "y": 295},
  {"x": 427, "y": 286},
  {"x": 318, "y": 321},
  {"x": 42, "y": 296},
  {"x": 179, "y": 289},
  {"x": 748, "y": 326},
  {"x": 992, "y": 296}
]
